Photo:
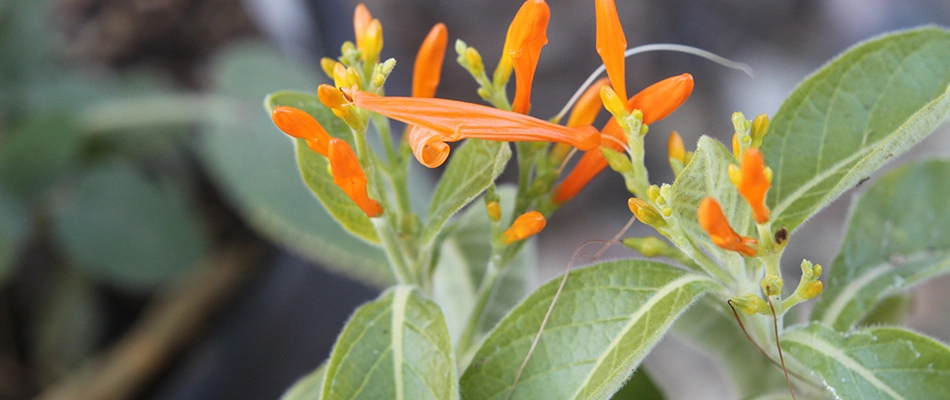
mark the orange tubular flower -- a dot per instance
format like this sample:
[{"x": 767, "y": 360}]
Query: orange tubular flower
[
  {"x": 428, "y": 68},
  {"x": 753, "y": 184},
  {"x": 588, "y": 105},
  {"x": 656, "y": 102},
  {"x": 713, "y": 221},
  {"x": 525, "y": 226},
  {"x": 526, "y": 36},
  {"x": 299, "y": 124},
  {"x": 349, "y": 176},
  {"x": 611, "y": 43},
  {"x": 436, "y": 121}
]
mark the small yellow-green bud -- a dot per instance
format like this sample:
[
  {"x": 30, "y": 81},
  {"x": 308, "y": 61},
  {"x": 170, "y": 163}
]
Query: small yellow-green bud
[
  {"x": 749, "y": 304},
  {"x": 649, "y": 246},
  {"x": 812, "y": 290},
  {"x": 760, "y": 127},
  {"x": 613, "y": 103},
  {"x": 653, "y": 192},
  {"x": 618, "y": 161},
  {"x": 772, "y": 285},
  {"x": 494, "y": 210},
  {"x": 474, "y": 61},
  {"x": 646, "y": 213},
  {"x": 328, "y": 64}
]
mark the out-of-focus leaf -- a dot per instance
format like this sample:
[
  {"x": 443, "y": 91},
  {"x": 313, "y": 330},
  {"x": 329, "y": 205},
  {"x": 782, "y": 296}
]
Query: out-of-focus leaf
[
  {"x": 34, "y": 154},
  {"x": 606, "y": 320},
  {"x": 254, "y": 164},
  {"x": 132, "y": 232},
  {"x": 639, "y": 387},
  {"x": 473, "y": 167},
  {"x": 310, "y": 387},
  {"x": 871, "y": 103},
  {"x": 395, "y": 347},
  {"x": 898, "y": 235},
  {"x": 873, "y": 363}
]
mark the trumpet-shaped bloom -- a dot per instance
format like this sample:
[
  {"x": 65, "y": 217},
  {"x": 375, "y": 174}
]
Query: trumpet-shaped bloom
[
  {"x": 655, "y": 102},
  {"x": 713, "y": 221},
  {"x": 526, "y": 36},
  {"x": 611, "y": 44},
  {"x": 525, "y": 226},
  {"x": 344, "y": 166},
  {"x": 349, "y": 176},
  {"x": 437, "y": 121},
  {"x": 753, "y": 183},
  {"x": 299, "y": 124},
  {"x": 428, "y": 67}
]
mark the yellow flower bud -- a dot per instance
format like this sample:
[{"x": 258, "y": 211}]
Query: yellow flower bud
[
  {"x": 646, "y": 213},
  {"x": 760, "y": 127},
  {"x": 494, "y": 210},
  {"x": 772, "y": 285},
  {"x": 813, "y": 289},
  {"x": 749, "y": 304},
  {"x": 525, "y": 226}
]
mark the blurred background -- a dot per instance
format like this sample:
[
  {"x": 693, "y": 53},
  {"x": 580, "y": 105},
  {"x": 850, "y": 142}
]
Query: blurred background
[{"x": 156, "y": 240}]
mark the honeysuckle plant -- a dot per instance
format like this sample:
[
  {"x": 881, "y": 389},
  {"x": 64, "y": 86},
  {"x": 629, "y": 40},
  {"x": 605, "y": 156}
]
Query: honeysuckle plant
[{"x": 459, "y": 320}]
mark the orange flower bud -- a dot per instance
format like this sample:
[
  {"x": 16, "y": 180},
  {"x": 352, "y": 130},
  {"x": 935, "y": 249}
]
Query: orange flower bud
[
  {"x": 662, "y": 98},
  {"x": 611, "y": 44},
  {"x": 349, "y": 176},
  {"x": 428, "y": 68},
  {"x": 753, "y": 183},
  {"x": 526, "y": 36},
  {"x": 299, "y": 124},
  {"x": 713, "y": 221},
  {"x": 361, "y": 20},
  {"x": 675, "y": 147},
  {"x": 525, "y": 226},
  {"x": 588, "y": 105}
]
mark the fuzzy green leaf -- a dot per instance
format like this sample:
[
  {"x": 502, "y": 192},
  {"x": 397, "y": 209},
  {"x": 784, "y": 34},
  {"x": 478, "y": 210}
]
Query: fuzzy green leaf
[
  {"x": 871, "y": 103},
  {"x": 639, "y": 387},
  {"x": 873, "y": 363},
  {"x": 472, "y": 169},
  {"x": 13, "y": 232},
  {"x": 253, "y": 164},
  {"x": 310, "y": 387},
  {"x": 606, "y": 320},
  {"x": 395, "y": 347},
  {"x": 897, "y": 236},
  {"x": 707, "y": 175}
]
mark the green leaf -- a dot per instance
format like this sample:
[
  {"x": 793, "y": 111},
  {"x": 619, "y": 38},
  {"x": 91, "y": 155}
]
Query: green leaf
[
  {"x": 718, "y": 334},
  {"x": 472, "y": 169},
  {"x": 897, "y": 237},
  {"x": 315, "y": 168},
  {"x": 871, "y": 103},
  {"x": 463, "y": 260},
  {"x": 639, "y": 387},
  {"x": 34, "y": 154},
  {"x": 707, "y": 175},
  {"x": 395, "y": 347},
  {"x": 606, "y": 320},
  {"x": 873, "y": 363},
  {"x": 252, "y": 162},
  {"x": 310, "y": 387},
  {"x": 120, "y": 227}
]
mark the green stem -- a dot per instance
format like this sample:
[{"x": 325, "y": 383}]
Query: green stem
[
  {"x": 147, "y": 111},
  {"x": 394, "y": 252}
]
